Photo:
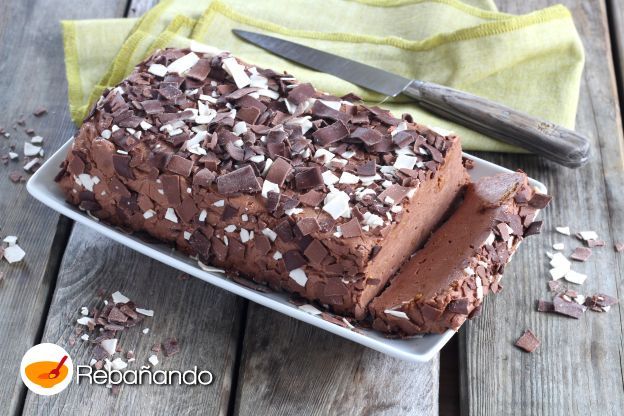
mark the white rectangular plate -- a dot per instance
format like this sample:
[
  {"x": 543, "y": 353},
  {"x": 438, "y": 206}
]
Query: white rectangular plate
[{"x": 42, "y": 186}]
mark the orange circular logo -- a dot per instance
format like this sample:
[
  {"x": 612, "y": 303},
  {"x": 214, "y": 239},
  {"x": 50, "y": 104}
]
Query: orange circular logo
[{"x": 46, "y": 369}]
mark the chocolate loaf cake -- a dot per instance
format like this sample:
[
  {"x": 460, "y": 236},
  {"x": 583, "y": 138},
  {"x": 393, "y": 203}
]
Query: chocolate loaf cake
[
  {"x": 444, "y": 283},
  {"x": 256, "y": 173}
]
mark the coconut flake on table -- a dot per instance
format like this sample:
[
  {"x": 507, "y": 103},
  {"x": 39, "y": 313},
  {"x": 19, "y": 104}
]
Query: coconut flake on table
[
  {"x": 145, "y": 331},
  {"x": 13, "y": 155},
  {"x": 84, "y": 311},
  {"x": 157, "y": 69},
  {"x": 84, "y": 337},
  {"x": 310, "y": 309},
  {"x": 118, "y": 364},
  {"x": 558, "y": 246},
  {"x": 36, "y": 140},
  {"x": 146, "y": 312},
  {"x": 118, "y": 297},
  {"x": 575, "y": 277},
  {"x": 563, "y": 230},
  {"x": 30, "y": 149},
  {"x": 153, "y": 359},
  {"x": 236, "y": 71},
  {"x": 14, "y": 253},
  {"x": 183, "y": 64},
  {"x": 10, "y": 240},
  {"x": 85, "y": 320},
  {"x": 558, "y": 272},
  {"x": 559, "y": 260},
  {"x": 588, "y": 235},
  {"x": 109, "y": 345}
]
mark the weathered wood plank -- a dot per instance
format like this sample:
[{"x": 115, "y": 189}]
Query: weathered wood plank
[
  {"x": 32, "y": 75},
  {"x": 204, "y": 319},
  {"x": 578, "y": 368},
  {"x": 290, "y": 368}
]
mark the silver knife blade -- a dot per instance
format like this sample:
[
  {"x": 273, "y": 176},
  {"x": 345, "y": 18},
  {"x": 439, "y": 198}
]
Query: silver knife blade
[{"x": 366, "y": 76}]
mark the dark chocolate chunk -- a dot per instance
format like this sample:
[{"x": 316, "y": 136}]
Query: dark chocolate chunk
[
  {"x": 273, "y": 199},
  {"x": 367, "y": 135},
  {"x": 301, "y": 93},
  {"x": 180, "y": 165},
  {"x": 262, "y": 244},
  {"x": 241, "y": 180},
  {"x": 312, "y": 198},
  {"x": 321, "y": 110},
  {"x": 571, "y": 309},
  {"x": 229, "y": 212},
  {"x": 528, "y": 341},
  {"x": 545, "y": 306},
  {"x": 460, "y": 306},
  {"x": 294, "y": 260},
  {"x": 367, "y": 169},
  {"x": 331, "y": 134},
  {"x": 203, "y": 178},
  {"x": 279, "y": 171},
  {"x": 308, "y": 226},
  {"x": 170, "y": 347},
  {"x": 39, "y": 111},
  {"x": 308, "y": 178},
  {"x": 200, "y": 70},
  {"x": 534, "y": 228},
  {"x": 581, "y": 254},
  {"x": 284, "y": 231},
  {"x": 122, "y": 165},
  {"x": 171, "y": 188},
  {"x": 351, "y": 228},
  {"x": 540, "y": 201}
]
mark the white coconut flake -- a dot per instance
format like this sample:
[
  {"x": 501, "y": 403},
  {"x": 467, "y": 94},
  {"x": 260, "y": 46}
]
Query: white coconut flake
[
  {"x": 558, "y": 272},
  {"x": 157, "y": 69},
  {"x": 397, "y": 314},
  {"x": 558, "y": 246},
  {"x": 336, "y": 204},
  {"x": 575, "y": 277},
  {"x": 325, "y": 155},
  {"x": 239, "y": 128},
  {"x": 86, "y": 181},
  {"x": 563, "y": 230},
  {"x": 277, "y": 255},
  {"x": 299, "y": 276},
  {"x": 588, "y": 235},
  {"x": 14, "y": 253},
  {"x": 145, "y": 331},
  {"x": 84, "y": 311},
  {"x": 329, "y": 178},
  {"x": 85, "y": 321},
  {"x": 187, "y": 235},
  {"x": 10, "y": 240},
  {"x": 202, "y": 48},
  {"x": 401, "y": 127},
  {"x": 268, "y": 186},
  {"x": 405, "y": 162},
  {"x": 118, "y": 297},
  {"x": 149, "y": 214},
  {"x": 171, "y": 215},
  {"x": 13, "y": 155},
  {"x": 236, "y": 71},
  {"x": 490, "y": 239},
  {"x": 36, "y": 140},
  {"x": 373, "y": 220},
  {"x": 109, "y": 345},
  {"x": 146, "y": 312},
  {"x": 30, "y": 149},
  {"x": 183, "y": 64},
  {"x": 332, "y": 104},
  {"x": 219, "y": 203},
  {"x": 145, "y": 125},
  {"x": 230, "y": 228},
  {"x": 244, "y": 235},
  {"x": 559, "y": 260},
  {"x": 270, "y": 234},
  {"x": 202, "y": 215},
  {"x": 118, "y": 364},
  {"x": 310, "y": 309},
  {"x": 348, "y": 178},
  {"x": 153, "y": 359}
]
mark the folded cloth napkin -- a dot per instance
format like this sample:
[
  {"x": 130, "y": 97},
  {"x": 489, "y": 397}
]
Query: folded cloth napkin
[{"x": 530, "y": 62}]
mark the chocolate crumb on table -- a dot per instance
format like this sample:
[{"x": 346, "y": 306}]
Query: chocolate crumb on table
[
  {"x": 581, "y": 253},
  {"x": 528, "y": 341},
  {"x": 619, "y": 247}
]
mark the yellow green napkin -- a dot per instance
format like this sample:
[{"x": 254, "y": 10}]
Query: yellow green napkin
[{"x": 530, "y": 62}]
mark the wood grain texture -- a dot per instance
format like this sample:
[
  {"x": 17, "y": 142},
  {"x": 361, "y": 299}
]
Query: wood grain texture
[
  {"x": 291, "y": 368},
  {"x": 31, "y": 75},
  {"x": 204, "y": 319},
  {"x": 578, "y": 368}
]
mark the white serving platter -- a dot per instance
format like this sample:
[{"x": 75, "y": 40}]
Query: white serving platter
[{"x": 42, "y": 187}]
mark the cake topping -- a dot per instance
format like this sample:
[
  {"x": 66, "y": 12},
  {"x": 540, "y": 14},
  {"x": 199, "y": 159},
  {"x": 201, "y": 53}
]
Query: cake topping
[{"x": 239, "y": 180}]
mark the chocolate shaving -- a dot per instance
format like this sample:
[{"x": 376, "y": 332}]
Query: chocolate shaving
[
  {"x": 581, "y": 254},
  {"x": 241, "y": 180},
  {"x": 331, "y": 134},
  {"x": 571, "y": 309},
  {"x": 528, "y": 341}
]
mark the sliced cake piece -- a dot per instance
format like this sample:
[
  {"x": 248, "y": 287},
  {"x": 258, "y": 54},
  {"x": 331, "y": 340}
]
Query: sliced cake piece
[{"x": 443, "y": 284}]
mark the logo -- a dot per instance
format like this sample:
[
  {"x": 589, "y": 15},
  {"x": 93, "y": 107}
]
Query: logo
[{"x": 46, "y": 369}]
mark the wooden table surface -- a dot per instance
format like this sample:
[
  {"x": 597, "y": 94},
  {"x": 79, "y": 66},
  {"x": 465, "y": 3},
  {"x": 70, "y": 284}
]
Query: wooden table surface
[{"x": 266, "y": 363}]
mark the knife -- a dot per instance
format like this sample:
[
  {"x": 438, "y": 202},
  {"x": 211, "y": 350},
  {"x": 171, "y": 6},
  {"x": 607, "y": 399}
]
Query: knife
[{"x": 554, "y": 142}]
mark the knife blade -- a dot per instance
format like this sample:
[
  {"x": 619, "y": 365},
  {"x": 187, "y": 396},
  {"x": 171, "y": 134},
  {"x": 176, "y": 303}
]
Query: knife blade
[{"x": 557, "y": 143}]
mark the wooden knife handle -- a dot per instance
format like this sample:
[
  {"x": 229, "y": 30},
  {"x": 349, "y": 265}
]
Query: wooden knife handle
[{"x": 556, "y": 143}]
